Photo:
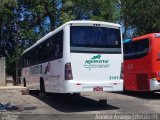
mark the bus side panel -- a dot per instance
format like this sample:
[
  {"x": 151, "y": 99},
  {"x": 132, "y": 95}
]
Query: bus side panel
[
  {"x": 30, "y": 78},
  {"x": 57, "y": 82},
  {"x": 52, "y": 74}
]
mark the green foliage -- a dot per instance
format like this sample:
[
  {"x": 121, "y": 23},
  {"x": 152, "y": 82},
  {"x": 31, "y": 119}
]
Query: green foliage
[
  {"x": 7, "y": 19},
  {"x": 141, "y": 15},
  {"x": 23, "y": 22},
  {"x": 39, "y": 10},
  {"x": 102, "y": 10}
]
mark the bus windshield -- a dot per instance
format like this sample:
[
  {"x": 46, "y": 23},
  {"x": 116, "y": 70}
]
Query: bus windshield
[{"x": 95, "y": 37}]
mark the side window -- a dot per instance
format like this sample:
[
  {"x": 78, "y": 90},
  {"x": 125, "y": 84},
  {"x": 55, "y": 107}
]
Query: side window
[
  {"x": 137, "y": 49},
  {"x": 58, "y": 53},
  {"x": 47, "y": 53},
  {"x": 43, "y": 52},
  {"x": 32, "y": 60},
  {"x": 57, "y": 46},
  {"x": 40, "y": 55},
  {"x": 27, "y": 58},
  {"x": 61, "y": 44},
  {"x": 36, "y": 55},
  {"x": 50, "y": 49},
  {"x": 24, "y": 60}
]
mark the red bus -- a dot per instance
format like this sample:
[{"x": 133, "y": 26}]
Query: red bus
[{"x": 142, "y": 63}]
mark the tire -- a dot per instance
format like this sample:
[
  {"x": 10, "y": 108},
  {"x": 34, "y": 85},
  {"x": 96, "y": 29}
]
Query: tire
[
  {"x": 24, "y": 82},
  {"x": 76, "y": 94},
  {"x": 42, "y": 86},
  {"x": 103, "y": 102}
]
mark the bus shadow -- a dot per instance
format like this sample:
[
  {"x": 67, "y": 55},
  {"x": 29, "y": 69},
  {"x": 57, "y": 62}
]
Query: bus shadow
[
  {"x": 70, "y": 103},
  {"x": 142, "y": 95}
]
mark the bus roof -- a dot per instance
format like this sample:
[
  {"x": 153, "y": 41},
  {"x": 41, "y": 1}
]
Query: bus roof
[
  {"x": 68, "y": 23},
  {"x": 151, "y": 35}
]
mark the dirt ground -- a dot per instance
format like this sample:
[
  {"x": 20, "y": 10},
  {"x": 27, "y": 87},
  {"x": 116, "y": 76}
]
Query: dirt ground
[{"x": 87, "y": 106}]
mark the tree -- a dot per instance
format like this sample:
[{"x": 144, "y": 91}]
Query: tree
[
  {"x": 23, "y": 23},
  {"x": 6, "y": 26},
  {"x": 102, "y": 10},
  {"x": 39, "y": 13},
  {"x": 141, "y": 16}
]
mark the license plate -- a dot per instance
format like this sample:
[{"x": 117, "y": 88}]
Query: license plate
[{"x": 98, "y": 88}]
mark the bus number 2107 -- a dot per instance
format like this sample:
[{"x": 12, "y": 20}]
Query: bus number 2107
[{"x": 114, "y": 77}]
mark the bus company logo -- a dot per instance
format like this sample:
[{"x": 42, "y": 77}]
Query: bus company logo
[
  {"x": 96, "y": 59},
  {"x": 96, "y": 62}
]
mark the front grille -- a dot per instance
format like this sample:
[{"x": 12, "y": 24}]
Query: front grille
[{"x": 142, "y": 82}]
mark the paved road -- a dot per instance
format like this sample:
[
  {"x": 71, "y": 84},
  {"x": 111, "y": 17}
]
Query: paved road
[{"x": 86, "y": 106}]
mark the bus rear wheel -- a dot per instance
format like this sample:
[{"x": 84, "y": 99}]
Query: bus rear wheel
[
  {"x": 103, "y": 102},
  {"x": 76, "y": 94}
]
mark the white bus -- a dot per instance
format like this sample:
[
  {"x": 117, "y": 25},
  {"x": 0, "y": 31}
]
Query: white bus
[{"x": 79, "y": 56}]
